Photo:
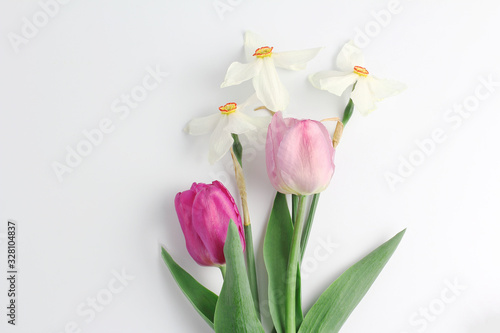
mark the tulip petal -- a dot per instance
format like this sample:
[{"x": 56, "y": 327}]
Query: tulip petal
[
  {"x": 275, "y": 134},
  {"x": 333, "y": 81},
  {"x": 383, "y": 88},
  {"x": 269, "y": 88},
  {"x": 363, "y": 97},
  {"x": 194, "y": 244},
  {"x": 203, "y": 125},
  {"x": 207, "y": 222},
  {"x": 305, "y": 157},
  {"x": 294, "y": 60},
  {"x": 236, "y": 217},
  {"x": 238, "y": 72},
  {"x": 220, "y": 141},
  {"x": 350, "y": 56},
  {"x": 212, "y": 211}
]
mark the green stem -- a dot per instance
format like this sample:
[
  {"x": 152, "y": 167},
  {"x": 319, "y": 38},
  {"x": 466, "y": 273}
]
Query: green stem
[
  {"x": 293, "y": 265},
  {"x": 251, "y": 271},
  {"x": 295, "y": 206},
  {"x": 223, "y": 271},
  {"x": 308, "y": 226}
]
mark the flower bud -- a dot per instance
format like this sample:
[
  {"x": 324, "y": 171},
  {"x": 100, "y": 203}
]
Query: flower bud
[
  {"x": 204, "y": 212},
  {"x": 299, "y": 155}
]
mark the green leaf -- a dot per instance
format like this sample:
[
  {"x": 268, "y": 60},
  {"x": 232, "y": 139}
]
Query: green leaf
[
  {"x": 335, "y": 305},
  {"x": 251, "y": 271},
  {"x": 203, "y": 300},
  {"x": 277, "y": 244},
  {"x": 235, "y": 311}
]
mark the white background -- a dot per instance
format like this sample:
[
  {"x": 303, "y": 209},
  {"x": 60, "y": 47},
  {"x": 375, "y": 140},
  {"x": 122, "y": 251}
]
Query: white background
[{"x": 112, "y": 212}]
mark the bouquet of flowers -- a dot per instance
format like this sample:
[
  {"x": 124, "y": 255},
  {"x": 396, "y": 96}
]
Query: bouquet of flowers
[{"x": 300, "y": 163}]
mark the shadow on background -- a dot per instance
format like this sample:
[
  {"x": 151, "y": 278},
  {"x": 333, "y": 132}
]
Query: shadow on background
[{"x": 491, "y": 325}]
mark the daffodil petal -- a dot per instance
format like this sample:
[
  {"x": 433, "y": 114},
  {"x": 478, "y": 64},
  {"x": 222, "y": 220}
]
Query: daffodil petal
[
  {"x": 203, "y": 125},
  {"x": 269, "y": 88},
  {"x": 238, "y": 72},
  {"x": 363, "y": 98},
  {"x": 350, "y": 56},
  {"x": 220, "y": 141},
  {"x": 294, "y": 60},
  {"x": 333, "y": 81},
  {"x": 259, "y": 123},
  {"x": 250, "y": 100},
  {"x": 238, "y": 123},
  {"x": 317, "y": 77},
  {"x": 252, "y": 43},
  {"x": 382, "y": 88}
]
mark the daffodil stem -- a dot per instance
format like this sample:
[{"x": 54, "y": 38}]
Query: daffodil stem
[
  {"x": 236, "y": 154},
  {"x": 293, "y": 266},
  {"x": 308, "y": 226}
]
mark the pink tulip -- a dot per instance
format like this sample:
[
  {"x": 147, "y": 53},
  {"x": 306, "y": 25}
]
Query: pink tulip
[
  {"x": 204, "y": 213},
  {"x": 299, "y": 155}
]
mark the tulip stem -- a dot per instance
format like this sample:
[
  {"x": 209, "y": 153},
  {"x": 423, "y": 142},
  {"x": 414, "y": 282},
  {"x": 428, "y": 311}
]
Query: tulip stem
[
  {"x": 293, "y": 266},
  {"x": 308, "y": 226},
  {"x": 236, "y": 151},
  {"x": 223, "y": 271},
  {"x": 295, "y": 206}
]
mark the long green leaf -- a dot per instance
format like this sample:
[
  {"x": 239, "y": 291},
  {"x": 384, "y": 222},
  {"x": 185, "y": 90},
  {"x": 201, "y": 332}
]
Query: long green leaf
[
  {"x": 335, "y": 305},
  {"x": 277, "y": 244},
  {"x": 203, "y": 300},
  {"x": 235, "y": 311}
]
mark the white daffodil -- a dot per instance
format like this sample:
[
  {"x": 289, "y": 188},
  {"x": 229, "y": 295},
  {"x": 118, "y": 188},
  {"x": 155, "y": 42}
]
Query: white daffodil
[
  {"x": 261, "y": 68},
  {"x": 229, "y": 120},
  {"x": 368, "y": 90}
]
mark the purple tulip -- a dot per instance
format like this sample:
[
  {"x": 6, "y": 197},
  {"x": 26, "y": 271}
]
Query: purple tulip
[
  {"x": 204, "y": 213},
  {"x": 299, "y": 155}
]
